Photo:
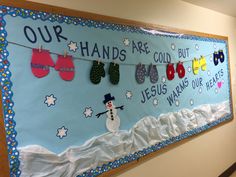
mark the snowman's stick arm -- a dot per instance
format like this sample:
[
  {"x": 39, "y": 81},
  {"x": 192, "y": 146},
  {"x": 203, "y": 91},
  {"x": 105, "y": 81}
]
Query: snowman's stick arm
[
  {"x": 101, "y": 113},
  {"x": 120, "y": 107}
]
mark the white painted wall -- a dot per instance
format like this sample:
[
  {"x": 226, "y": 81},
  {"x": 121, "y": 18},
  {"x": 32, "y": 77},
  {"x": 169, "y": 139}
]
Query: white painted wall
[{"x": 206, "y": 155}]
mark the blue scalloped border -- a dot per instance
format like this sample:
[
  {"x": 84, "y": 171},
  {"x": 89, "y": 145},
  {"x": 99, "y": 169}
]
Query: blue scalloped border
[
  {"x": 5, "y": 74},
  {"x": 6, "y": 84},
  {"x": 35, "y": 15}
]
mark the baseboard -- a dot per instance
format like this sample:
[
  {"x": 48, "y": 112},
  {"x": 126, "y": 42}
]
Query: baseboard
[{"x": 229, "y": 171}]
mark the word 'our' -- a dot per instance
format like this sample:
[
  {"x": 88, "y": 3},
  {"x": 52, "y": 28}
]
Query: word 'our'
[{"x": 34, "y": 35}]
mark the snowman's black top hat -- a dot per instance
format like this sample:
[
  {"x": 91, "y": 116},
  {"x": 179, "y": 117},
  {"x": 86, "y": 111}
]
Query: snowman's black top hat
[{"x": 107, "y": 98}]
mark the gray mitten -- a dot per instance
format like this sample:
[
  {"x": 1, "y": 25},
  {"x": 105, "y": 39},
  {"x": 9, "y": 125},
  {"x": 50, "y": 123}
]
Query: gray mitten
[
  {"x": 153, "y": 73},
  {"x": 140, "y": 73}
]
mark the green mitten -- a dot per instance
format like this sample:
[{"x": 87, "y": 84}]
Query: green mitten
[
  {"x": 114, "y": 73},
  {"x": 97, "y": 71},
  {"x": 101, "y": 69}
]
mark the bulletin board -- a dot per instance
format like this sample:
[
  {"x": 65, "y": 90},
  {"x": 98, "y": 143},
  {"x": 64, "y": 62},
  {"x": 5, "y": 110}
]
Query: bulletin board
[{"x": 83, "y": 94}]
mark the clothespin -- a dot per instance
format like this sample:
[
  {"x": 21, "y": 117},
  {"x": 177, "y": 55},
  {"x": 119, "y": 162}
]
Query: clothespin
[
  {"x": 65, "y": 53},
  {"x": 40, "y": 48}
]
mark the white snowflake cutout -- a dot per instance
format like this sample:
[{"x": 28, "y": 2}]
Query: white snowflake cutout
[
  {"x": 73, "y": 46},
  {"x": 214, "y": 46},
  {"x": 128, "y": 94},
  {"x": 200, "y": 90},
  {"x": 163, "y": 79},
  {"x": 209, "y": 73},
  {"x": 189, "y": 69},
  {"x": 173, "y": 46},
  {"x": 191, "y": 102},
  {"x": 62, "y": 132},
  {"x": 211, "y": 58},
  {"x": 196, "y": 46},
  {"x": 126, "y": 41},
  {"x": 177, "y": 103},
  {"x": 88, "y": 112},
  {"x": 155, "y": 102},
  {"x": 50, "y": 100}
]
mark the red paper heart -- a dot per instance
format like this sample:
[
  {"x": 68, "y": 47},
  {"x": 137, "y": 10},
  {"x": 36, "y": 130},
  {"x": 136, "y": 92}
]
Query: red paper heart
[{"x": 219, "y": 84}]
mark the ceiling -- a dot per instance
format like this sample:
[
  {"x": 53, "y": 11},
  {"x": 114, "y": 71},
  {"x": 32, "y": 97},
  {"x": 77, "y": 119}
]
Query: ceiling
[{"x": 227, "y": 7}]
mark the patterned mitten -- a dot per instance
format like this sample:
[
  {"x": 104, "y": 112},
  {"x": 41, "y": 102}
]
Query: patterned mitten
[
  {"x": 66, "y": 68},
  {"x": 153, "y": 73},
  {"x": 101, "y": 69},
  {"x": 40, "y": 63},
  {"x": 180, "y": 70},
  {"x": 97, "y": 71},
  {"x": 203, "y": 63},
  {"x": 140, "y": 73},
  {"x": 114, "y": 73},
  {"x": 215, "y": 58},
  {"x": 221, "y": 56},
  {"x": 170, "y": 71},
  {"x": 196, "y": 66}
]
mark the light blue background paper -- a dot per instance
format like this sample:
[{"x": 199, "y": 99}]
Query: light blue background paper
[{"x": 37, "y": 124}]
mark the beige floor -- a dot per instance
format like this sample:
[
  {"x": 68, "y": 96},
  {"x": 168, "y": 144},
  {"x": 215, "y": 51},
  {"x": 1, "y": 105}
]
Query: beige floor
[{"x": 233, "y": 175}]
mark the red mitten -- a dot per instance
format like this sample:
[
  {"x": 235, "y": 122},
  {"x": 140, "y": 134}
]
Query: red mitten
[
  {"x": 66, "y": 68},
  {"x": 40, "y": 62},
  {"x": 180, "y": 70},
  {"x": 170, "y": 71}
]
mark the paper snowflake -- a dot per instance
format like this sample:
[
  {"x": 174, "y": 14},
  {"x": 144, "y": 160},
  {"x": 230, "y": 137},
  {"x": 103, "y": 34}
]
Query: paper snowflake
[
  {"x": 211, "y": 58},
  {"x": 62, "y": 132},
  {"x": 209, "y": 73},
  {"x": 200, "y": 90},
  {"x": 173, "y": 46},
  {"x": 72, "y": 46},
  {"x": 197, "y": 47},
  {"x": 128, "y": 95},
  {"x": 126, "y": 42},
  {"x": 214, "y": 45},
  {"x": 189, "y": 69},
  {"x": 155, "y": 102},
  {"x": 50, "y": 100},
  {"x": 191, "y": 102},
  {"x": 88, "y": 112},
  {"x": 177, "y": 102},
  {"x": 163, "y": 79}
]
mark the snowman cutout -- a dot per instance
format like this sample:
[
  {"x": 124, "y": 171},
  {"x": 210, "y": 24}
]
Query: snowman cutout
[{"x": 113, "y": 120}]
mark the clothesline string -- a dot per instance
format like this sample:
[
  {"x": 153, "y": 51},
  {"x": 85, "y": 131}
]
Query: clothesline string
[{"x": 86, "y": 59}]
